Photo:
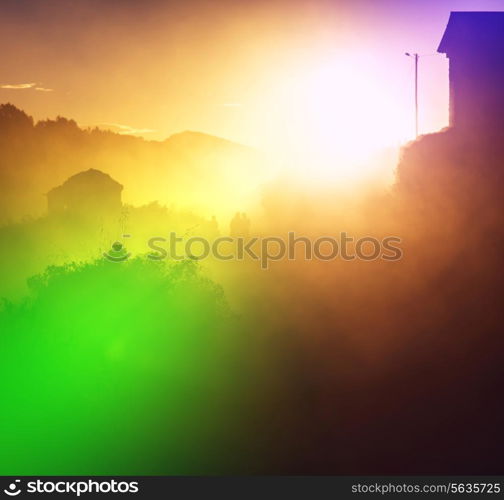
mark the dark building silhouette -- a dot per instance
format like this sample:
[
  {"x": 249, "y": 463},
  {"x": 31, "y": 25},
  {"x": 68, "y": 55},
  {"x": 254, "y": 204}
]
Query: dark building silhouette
[
  {"x": 87, "y": 193},
  {"x": 474, "y": 44}
]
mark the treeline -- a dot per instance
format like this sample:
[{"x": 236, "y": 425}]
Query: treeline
[{"x": 190, "y": 169}]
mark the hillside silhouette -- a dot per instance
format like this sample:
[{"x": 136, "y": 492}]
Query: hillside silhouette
[{"x": 189, "y": 169}]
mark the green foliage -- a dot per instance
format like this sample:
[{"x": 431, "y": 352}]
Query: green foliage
[{"x": 119, "y": 368}]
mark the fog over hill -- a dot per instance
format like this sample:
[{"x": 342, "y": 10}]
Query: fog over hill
[{"x": 216, "y": 176}]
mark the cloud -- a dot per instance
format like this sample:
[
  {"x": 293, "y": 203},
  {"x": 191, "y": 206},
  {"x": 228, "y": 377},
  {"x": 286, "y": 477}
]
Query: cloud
[
  {"x": 126, "y": 129},
  {"x": 24, "y": 86},
  {"x": 18, "y": 86}
]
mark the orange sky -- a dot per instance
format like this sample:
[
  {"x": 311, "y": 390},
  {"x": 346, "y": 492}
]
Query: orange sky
[{"x": 269, "y": 74}]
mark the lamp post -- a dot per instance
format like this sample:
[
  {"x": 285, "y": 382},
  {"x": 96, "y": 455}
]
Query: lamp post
[{"x": 416, "y": 57}]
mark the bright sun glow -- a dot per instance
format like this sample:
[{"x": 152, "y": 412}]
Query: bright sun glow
[{"x": 345, "y": 117}]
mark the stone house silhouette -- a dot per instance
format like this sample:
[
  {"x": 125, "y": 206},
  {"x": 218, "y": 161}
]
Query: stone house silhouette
[{"x": 474, "y": 45}]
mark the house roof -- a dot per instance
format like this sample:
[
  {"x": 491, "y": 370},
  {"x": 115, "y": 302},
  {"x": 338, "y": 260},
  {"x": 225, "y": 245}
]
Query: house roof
[
  {"x": 473, "y": 29},
  {"x": 88, "y": 178}
]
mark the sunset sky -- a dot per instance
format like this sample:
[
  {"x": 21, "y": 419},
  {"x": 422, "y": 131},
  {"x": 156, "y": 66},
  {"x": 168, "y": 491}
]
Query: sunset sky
[{"x": 295, "y": 75}]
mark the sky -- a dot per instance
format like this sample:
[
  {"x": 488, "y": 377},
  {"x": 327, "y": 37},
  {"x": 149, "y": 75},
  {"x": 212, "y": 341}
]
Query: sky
[{"x": 304, "y": 76}]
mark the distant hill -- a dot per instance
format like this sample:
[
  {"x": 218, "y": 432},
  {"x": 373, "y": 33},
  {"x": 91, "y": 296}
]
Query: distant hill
[{"x": 191, "y": 170}]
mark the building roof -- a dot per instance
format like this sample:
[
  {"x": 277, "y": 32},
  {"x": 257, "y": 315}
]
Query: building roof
[
  {"x": 88, "y": 178},
  {"x": 473, "y": 29}
]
